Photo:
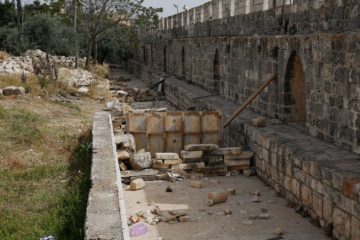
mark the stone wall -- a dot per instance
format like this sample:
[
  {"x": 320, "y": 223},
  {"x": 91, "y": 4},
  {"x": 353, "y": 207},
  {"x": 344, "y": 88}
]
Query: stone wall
[
  {"x": 313, "y": 48},
  {"x": 321, "y": 180},
  {"x": 329, "y": 62},
  {"x": 239, "y": 17}
]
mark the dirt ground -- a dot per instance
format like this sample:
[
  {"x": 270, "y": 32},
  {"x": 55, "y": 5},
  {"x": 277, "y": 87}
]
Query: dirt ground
[{"x": 211, "y": 222}]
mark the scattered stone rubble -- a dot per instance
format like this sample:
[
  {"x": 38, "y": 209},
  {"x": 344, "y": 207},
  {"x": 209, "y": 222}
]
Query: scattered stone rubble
[
  {"x": 25, "y": 64},
  {"x": 78, "y": 78}
]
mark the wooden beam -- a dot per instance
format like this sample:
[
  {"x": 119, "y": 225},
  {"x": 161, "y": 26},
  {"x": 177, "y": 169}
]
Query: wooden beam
[{"x": 249, "y": 100}]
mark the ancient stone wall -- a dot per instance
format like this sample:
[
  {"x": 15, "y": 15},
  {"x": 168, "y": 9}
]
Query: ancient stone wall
[
  {"x": 230, "y": 47},
  {"x": 326, "y": 64}
]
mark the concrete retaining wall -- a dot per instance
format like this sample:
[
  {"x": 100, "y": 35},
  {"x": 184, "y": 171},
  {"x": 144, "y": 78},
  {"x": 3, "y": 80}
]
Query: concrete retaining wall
[{"x": 105, "y": 216}]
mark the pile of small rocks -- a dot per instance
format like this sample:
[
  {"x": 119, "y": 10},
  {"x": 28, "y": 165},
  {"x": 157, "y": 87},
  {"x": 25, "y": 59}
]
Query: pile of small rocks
[{"x": 25, "y": 64}]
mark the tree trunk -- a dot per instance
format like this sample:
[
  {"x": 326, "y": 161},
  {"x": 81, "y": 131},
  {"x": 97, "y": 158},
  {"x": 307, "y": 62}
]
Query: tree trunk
[{"x": 89, "y": 51}]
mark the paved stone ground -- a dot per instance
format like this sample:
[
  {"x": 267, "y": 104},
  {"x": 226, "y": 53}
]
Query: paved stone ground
[{"x": 217, "y": 225}]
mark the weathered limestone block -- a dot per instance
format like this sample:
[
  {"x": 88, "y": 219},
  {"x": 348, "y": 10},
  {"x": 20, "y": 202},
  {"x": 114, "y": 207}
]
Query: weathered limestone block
[
  {"x": 191, "y": 154},
  {"x": 166, "y": 156},
  {"x": 141, "y": 161},
  {"x": 201, "y": 147},
  {"x": 327, "y": 210},
  {"x": 137, "y": 184},
  {"x": 341, "y": 222},
  {"x": 125, "y": 141},
  {"x": 123, "y": 155},
  {"x": 355, "y": 228},
  {"x": 226, "y": 151}
]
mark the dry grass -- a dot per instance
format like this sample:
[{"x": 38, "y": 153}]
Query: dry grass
[
  {"x": 100, "y": 71},
  {"x": 3, "y": 56},
  {"x": 35, "y": 86}
]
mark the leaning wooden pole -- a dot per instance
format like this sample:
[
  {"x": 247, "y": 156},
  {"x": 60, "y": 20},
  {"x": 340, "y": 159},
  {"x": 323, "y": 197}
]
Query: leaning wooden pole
[{"x": 242, "y": 108}]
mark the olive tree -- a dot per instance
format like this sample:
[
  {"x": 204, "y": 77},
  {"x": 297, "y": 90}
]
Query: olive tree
[{"x": 99, "y": 16}]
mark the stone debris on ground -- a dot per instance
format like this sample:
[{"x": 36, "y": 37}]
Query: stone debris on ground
[
  {"x": 217, "y": 197},
  {"x": 259, "y": 122},
  {"x": 137, "y": 184},
  {"x": 12, "y": 91},
  {"x": 196, "y": 184},
  {"x": 78, "y": 78},
  {"x": 141, "y": 161},
  {"x": 25, "y": 64}
]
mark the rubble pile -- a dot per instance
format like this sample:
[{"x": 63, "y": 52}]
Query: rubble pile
[
  {"x": 129, "y": 94},
  {"x": 75, "y": 77},
  {"x": 25, "y": 64}
]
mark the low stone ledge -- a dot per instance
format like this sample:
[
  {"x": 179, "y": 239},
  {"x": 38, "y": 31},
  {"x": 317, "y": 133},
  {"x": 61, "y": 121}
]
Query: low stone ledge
[{"x": 103, "y": 217}]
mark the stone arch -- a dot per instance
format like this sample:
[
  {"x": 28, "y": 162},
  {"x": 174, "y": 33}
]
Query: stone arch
[
  {"x": 294, "y": 89},
  {"x": 164, "y": 59},
  {"x": 183, "y": 63},
  {"x": 216, "y": 68}
]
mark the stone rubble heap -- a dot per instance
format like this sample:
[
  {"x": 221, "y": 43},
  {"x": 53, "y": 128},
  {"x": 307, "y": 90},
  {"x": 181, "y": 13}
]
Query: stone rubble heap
[
  {"x": 24, "y": 64},
  {"x": 75, "y": 77}
]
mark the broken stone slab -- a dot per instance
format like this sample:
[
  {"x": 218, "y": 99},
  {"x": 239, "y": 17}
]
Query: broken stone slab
[
  {"x": 167, "y": 156},
  {"x": 125, "y": 141},
  {"x": 172, "y": 161},
  {"x": 242, "y": 156},
  {"x": 259, "y": 122},
  {"x": 137, "y": 184},
  {"x": 278, "y": 231},
  {"x": 196, "y": 184},
  {"x": 13, "y": 91},
  {"x": 123, "y": 167},
  {"x": 226, "y": 151},
  {"x": 217, "y": 197},
  {"x": 123, "y": 155},
  {"x": 237, "y": 163},
  {"x": 201, "y": 147},
  {"x": 141, "y": 161},
  {"x": 191, "y": 154}
]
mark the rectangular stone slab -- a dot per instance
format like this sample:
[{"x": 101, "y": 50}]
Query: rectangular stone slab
[
  {"x": 167, "y": 156},
  {"x": 191, "y": 154},
  {"x": 201, "y": 147}
]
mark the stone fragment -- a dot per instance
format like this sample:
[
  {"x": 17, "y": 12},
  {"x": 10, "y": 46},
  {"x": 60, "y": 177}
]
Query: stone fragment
[
  {"x": 191, "y": 154},
  {"x": 172, "y": 161},
  {"x": 126, "y": 141},
  {"x": 259, "y": 122},
  {"x": 201, "y": 147},
  {"x": 263, "y": 216},
  {"x": 83, "y": 90},
  {"x": 217, "y": 197},
  {"x": 196, "y": 184},
  {"x": 231, "y": 191},
  {"x": 278, "y": 231},
  {"x": 166, "y": 156},
  {"x": 123, "y": 155},
  {"x": 137, "y": 184},
  {"x": 226, "y": 151},
  {"x": 141, "y": 161},
  {"x": 12, "y": 91},
  {"x": 227, "y": 211},
  {"x": 123, "y": 167}
]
